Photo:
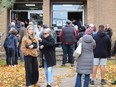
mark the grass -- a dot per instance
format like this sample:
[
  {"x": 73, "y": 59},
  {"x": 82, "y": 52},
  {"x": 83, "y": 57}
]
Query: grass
[
  {"x": 2, "y": 62},
  {"x": 111, "y": 62}
]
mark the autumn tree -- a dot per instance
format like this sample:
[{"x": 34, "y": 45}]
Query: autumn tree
[{"x": 6, "y": 4}]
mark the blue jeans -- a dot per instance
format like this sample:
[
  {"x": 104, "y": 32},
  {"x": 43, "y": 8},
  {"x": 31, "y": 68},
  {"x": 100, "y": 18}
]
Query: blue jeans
[
  {"x": 78, "y": 80},
  {"x": 68, "y": 49},
  {"x": 49, "y": 73}
]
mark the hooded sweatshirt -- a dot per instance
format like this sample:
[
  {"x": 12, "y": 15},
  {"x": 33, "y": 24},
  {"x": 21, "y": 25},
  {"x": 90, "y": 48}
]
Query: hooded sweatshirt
[{"x": 103, "y": 45}]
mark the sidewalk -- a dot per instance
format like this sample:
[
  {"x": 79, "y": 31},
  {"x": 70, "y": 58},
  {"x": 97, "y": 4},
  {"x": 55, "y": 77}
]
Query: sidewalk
[{"x": 66, "y": 76}]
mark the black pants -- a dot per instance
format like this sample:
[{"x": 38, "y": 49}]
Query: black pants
[
  {"x": 6, "y": 51},
  {"x": 11, "y": 56},
  {"x": 16, "y": 56},
  {"x": 31, "y": 68}
]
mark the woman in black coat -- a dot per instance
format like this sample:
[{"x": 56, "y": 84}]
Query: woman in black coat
[{"x": 47, "y": 46}]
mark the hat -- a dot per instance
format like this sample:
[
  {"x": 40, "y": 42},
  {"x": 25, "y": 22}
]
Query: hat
[
  {"x": 12, "y": 24},
  {"x": 31, "y": 23},
  {"x": 68, "y": 22},
  {"x": 45, "y": 26},
  {"x": 22, "y": 23},
  {"x": 89, "y": 31}
]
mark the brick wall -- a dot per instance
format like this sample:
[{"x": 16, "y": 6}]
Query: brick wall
[
  {"x": 46, "y": 12},
  {"x": 3, "y": 24},
  {"x": 102, "y": 12},
  {"x": 96, "y": 12}
]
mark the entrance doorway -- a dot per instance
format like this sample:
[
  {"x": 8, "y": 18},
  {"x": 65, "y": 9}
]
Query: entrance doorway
[
  {"x": 32, "y": 15},
  {"x": 20, "y": 15},
  {"x": 75, "y": 15},
  {"x": 35, "y": 17}
]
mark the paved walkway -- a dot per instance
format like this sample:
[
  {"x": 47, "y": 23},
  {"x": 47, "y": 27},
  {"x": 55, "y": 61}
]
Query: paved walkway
[{"x": 65, "y": 77}]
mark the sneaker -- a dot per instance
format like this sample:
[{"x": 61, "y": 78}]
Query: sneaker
[
  {"x": 103, "y": 82},
  {"x": 48, "y": 85},
  {"x": 91, "y": 82},
  {"x": 72, "y": 65},
  {"x": 63, "y": 65},
  {"x": 114, "y": 83}
]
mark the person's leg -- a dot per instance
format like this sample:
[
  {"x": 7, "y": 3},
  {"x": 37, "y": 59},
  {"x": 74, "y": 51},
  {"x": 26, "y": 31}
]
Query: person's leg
[
  {"x": 40, "y": 59},
  {"x": 21, "y": 54},
  {"x": 71, "y": 51},
  {"x": 9, "y": 56},
  {"x": 49, "y": 73},
  {"x": 69, "y": 61},
  {"x": 13, "y": 56},
  {"x": 16, "y": 56},
  {"x": 64, "y": 47},
  {"x": 96, "y": 63},
  {"x": 102, "y": 67},
  {"x": 28, "y": 70},
  {"x": 94, "y": 71},
  {"x": 78, "y": 80},
  {"x": 6, "y": 51},
  {"x": 115, "y": 56},
  {"x": 87, "y": 78},
  {"x": 35, "y": 72}
]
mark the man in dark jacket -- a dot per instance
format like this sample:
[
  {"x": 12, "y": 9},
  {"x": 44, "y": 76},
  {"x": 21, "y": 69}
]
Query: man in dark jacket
[
  {"x": 22, "y": 32},
  {"x": 68, "y": 39},
  {"x": 101, "y": 52}
]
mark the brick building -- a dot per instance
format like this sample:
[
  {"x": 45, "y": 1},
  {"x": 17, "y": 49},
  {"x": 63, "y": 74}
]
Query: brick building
[{"x": 55, "y": 12}]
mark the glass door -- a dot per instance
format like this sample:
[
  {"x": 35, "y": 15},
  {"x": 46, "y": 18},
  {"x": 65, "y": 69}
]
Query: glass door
[{"x": 35, "y": 17}]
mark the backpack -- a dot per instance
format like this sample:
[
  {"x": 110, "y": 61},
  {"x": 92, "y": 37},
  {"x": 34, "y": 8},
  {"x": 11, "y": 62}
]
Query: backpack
[
  {"x": 6, "y": 41},
  {"x": 9, "y": 41}
]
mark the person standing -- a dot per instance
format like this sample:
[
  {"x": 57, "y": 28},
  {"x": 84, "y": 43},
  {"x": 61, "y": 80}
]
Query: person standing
[
  {"x": 108, "y": 30},
  {"x": 68, "y": 38},
  {"x": 115, "y": 49},
  {"x": 11, "y": 45},
  {"x": 5, "y": 46},
  {"x": 47, "y": 46},
  {"x": 85, "y": 60},
  {"x": 22, "y": 32},
  {"x": 29, "y": 49},
  {"x": 101, "y": 52}
]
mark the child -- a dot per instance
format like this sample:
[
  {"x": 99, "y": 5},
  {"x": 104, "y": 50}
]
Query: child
[{"x": 11, "y": 46}]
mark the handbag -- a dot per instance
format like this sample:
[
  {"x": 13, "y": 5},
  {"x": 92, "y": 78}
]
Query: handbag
[{"x": 78, "y": 51}]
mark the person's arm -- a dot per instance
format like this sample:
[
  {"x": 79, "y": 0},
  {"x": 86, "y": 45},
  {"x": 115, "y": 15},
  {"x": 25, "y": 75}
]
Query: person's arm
[
  {"x": 76, "y": 34},
  {"x": 23, "y": 46},
  {"x": 111, "y": 33},
  {"x": 49, "y": 43},
  {"x": 61, "y": 33},
  {"x": 94, "y": 44}
]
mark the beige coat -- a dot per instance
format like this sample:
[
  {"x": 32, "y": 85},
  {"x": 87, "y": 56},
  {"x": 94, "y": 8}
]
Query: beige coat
[{"x": 26, "y": 51}]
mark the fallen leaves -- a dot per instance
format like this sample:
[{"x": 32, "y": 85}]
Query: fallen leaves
[
  {"x": 111, "y": 71},
  {"x": 12, "y": 76},
  {"x": 15, "y": 76}
]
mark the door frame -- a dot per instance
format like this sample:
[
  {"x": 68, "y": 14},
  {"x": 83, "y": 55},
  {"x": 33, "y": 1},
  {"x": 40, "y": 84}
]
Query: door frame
[
  {"x": 29, "y": 11},
  {"x": 34, "y": 11},
  {"x": 82, "y": 15}
]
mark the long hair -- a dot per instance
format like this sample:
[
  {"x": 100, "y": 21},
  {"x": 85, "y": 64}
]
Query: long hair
[{"x": 27, "y": 35}]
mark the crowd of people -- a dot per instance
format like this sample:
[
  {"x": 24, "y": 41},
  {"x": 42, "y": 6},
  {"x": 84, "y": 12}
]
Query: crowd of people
[{"x": 22, "y": 41}]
